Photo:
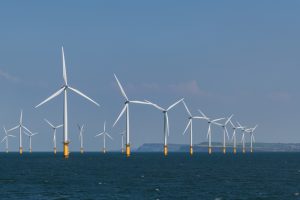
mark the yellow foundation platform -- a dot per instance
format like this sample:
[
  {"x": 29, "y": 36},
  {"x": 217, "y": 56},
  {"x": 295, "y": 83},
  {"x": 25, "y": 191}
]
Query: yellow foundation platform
[
  {"x": 165, "y": 150},
  {"x": 81, "y": 150},
  {"x": 234, "y": 150},
  {"x": 54, "y": 150},
  {"x": 21, "y": 150},
  {"x": 224, "y": 150},
  {"x": 128, "y": 150},
  {"x": 244, "y": 150},
  {"x": 191, "y": 150},
  {"x": 66, "y": 150},
  {"x": 209, "y": 150}
]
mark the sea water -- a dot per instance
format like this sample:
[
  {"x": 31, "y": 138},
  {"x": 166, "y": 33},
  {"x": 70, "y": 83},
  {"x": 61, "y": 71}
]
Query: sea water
[{"x": 150, "y": 176}]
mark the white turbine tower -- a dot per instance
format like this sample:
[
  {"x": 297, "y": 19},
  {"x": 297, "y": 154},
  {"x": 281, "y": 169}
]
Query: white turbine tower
[
  {"x": 210, "y": 122},
  {"x": 190, "y": 125},
  {"x": 122, "y": 141},
  {"x": 126, "y": 108},
  {"x": 225, "y": 132},
  {"x": 21, "y": 127},
  {"x": 243, "y": 136},
  {"x": 30, "y": 138},
  {"x": 54, "y": 133},
  {"x": 104, "y": 133},
  {"x": 81, "y": 129},
  {"x": 252, "y": 139},
  {"x": 166, "y": 122},
  {"x": 234, "y": 136},
  {"x": 64, "y": 89},
  {"x": 6, "y": 138}
]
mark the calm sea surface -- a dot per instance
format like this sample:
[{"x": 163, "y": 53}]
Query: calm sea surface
[{"x": 150, "y": 176}]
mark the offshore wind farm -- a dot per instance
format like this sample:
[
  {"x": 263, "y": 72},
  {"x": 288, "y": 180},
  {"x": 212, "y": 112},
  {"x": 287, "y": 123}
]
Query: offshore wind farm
[{"x": 149, "y": 100}]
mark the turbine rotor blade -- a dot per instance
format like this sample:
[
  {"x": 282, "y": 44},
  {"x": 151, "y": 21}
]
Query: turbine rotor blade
[
  {"x": 83, "y": 95},
  {"x": 202, "y": 114},
  {"x": 14, "y": 128},
  {"x": 139, "y": 102},
  {"x": 26, "y": 129},
  {"x": 186, "y": 108},
  {"x": 155, "y": 105},
  {"x": 52, "y": 96},
  {"x": 99, "y": 134},
  {"x": 188, "y": 125},
  {"x": 120, "y": 115},
  {"x": 109, "y": 136},
  {"x": 64, "y": 66},
  {"x": 49, "y": 123},
  {"x": 121, "y": 88},
  {"x": 228, "y": 120},
  {"x": 174, "y": 104},
  {"x": 216, "y": 120}
]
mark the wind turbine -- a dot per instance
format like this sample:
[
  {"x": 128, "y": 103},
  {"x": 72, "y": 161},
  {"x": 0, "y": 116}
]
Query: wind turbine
[
  {"x": 126, "y": 108},
  {"x": 166, "y": 122},
  {"x": 122, "y": 143},
  {"x": 234, "y": 135},
  {"x": 210, "y": 122},
  {"x": 104, "y": 133},
  {"x": 243, "y": 136},
  {"x": 6, "y": 138},
  {"x": 252, "y": 139},
  {"x": 190, "y": 125},
  {"x": 30, "y": 136},
  {"x": 81, "y": 137},
  {"x": 64, "y": 89},
  {"x": 225, "y": 132},
  {"x": 54, "y": 133},
  {"x": 21, "y": 127}
]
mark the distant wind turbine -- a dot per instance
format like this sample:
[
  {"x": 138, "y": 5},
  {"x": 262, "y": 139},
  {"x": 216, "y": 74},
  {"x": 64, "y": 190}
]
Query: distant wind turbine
[
  {"x": 225, "y": 132},
  {"x": 243, "y": 136},
  {"x": 6, "y": 138},
  {"x": 126, "y": 108},
  {"x": 30, "y": 135},
  {"x": 104, "y": 133},
  {"x": 166, "y": 122},
  {"x": 81, "y": 129},
  {"x": 234, "y": 135},
  {"x": 21, "y": 127},
  {"x": 122, "y": 141},
  {"x": 64, "y": 89},
  {"x": 54, "y": 133},
  {"x": 190, "y": 125},
  {"x": 210, "y": 122},
  {"x": 252, "y": 139}
]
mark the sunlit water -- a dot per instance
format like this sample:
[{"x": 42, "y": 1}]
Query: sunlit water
[{"x": 150, "y": 176}]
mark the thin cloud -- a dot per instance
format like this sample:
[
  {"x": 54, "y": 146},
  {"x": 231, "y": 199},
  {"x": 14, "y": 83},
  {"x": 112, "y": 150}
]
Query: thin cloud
[{"x": 9, "y": 77}]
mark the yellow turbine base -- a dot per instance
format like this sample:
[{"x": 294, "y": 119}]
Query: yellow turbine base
[
  {"x": 165, "y": 150},
  {"x": 128, "y": 150},
  {"x": 251, "y": 150},
  {"x": 244, "y": 150},
  {"x": 191, "y": 150},
  {"x": 30, "y": 150},
  {"x": 209, "y": 150},
  {"x": 224, "y": 150},
  {"x": 54, "y": 150},
  {"x": 234, "y": 150},
  {"x": 66, "y": 150},
  {"x": 21, "y": 150},
  {"x": 81, "y": 150}
]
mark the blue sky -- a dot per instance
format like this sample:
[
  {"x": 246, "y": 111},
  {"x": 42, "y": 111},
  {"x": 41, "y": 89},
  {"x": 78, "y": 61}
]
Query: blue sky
[{"x": 232, "y": 57}]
